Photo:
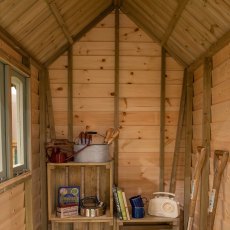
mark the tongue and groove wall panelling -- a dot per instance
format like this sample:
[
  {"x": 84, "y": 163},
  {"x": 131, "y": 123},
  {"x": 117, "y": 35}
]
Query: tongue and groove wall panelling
[
  {"x": 58, "y": 77},
  {"x": 140, "y": 65},
  {"x": 173, "y": 82},
  {"x": 93, "y": 80},
  {"x": 220, "y": 130},
  {"x": 13, "y": 208},
  {"x": 93, "y": 99},
  {"x": 197, "y": 128},
  {"x": 93, "y": 86},
  {"x": 140, "y": 71}
]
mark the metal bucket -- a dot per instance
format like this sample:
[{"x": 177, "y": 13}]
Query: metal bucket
[{"x": 92, "y": 153}]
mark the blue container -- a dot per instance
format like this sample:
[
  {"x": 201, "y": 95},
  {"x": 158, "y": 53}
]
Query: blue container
[
  {"x": 136, "y": 201},
  {"x": 138, "y": 212}
]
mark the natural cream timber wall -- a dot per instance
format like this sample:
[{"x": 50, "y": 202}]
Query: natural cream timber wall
[
  {"x": 220, "y": 130},
  {"x": 220, "y": 123},
  {"x": 13, "y": 201},
  {"x": 139, "y": 100}
]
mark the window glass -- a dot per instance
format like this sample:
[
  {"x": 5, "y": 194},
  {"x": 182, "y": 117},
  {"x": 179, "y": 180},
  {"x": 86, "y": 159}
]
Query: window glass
[{"x": 17, "y": 105}]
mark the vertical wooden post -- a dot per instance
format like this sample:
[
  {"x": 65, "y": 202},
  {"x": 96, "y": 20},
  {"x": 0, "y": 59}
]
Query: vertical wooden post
[
  {"x": 70, "y": 94},
  {"x": 178, "y": 136},
  {"x": 49, "y": 106},
  {"x": 162, "y": 119},
  {"x": 188, "y": 144},
  {"x": 42, "y": 121},
  {"x": 206, "y": 138},
  {"x": 116, "y": 97}
]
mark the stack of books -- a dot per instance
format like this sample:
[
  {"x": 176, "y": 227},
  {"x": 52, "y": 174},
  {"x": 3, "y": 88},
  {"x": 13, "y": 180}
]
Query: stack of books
[
  {"x": 68, "y": 201},
  {"x": 121, "y": 204}
]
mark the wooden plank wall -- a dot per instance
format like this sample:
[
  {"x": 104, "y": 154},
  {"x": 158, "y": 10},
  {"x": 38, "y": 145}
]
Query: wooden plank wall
[
  {"x": 220, "y": 130},
  {"x": 13, "y": 208},
  {"x": 220, "y": 124},
  {"x": 35, "y": 149},
  {"x": 93, "y": 100}
]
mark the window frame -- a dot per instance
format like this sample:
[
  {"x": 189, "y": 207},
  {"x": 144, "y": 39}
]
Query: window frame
[
  {"x": 23, "y": 133},
  {"x": 6, "y": 80},
  {"x": 3, "y": 173}
]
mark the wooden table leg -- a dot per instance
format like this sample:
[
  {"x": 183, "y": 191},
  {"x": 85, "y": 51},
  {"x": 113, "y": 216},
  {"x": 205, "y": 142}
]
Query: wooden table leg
[{"x": 54, "y": 225}]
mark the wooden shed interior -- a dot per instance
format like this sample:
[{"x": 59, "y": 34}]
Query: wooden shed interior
[{"x": 157, "y": 70}]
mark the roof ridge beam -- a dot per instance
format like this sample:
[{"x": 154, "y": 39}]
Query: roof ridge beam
[
  {"x": 176, "y": 16},
  {"x": 56, "y": 13}
]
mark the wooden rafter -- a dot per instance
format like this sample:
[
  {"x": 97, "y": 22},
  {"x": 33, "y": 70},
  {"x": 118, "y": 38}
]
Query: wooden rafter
[
  {"x": 79, "y": 35},
  {"x": 223, "y": 41},
  {"x": 176, "y": 16},
  {"x": 12, "y": 42},
  {"x": 56, "y": 13}
]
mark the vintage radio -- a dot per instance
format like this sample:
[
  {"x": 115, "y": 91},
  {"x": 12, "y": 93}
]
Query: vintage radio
[{"x": 163, "y": 204}]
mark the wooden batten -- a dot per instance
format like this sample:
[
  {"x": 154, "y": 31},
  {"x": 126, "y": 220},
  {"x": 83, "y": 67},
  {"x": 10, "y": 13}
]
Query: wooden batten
[
  {"x": 116, "y": 89},
  {"x": 70, "y": 94},
  {"x": 50, "y": 108},
  {"x": 42, "y": 115},
  {"x": 162, "y": 119},
  {"x": 206, "y": 140},
  {"x": 188, "y": 143},
  {"x": 172, "y": 188}
]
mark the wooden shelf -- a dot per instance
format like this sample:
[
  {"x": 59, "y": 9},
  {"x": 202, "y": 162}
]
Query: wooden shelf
[
  {"x": 150, "y": 219},
  {"x": 103, "y": 218},
  {"x": 171, "y": 223},
  {"x": 71, "y": 163}
]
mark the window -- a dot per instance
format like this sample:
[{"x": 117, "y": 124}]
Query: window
[
  {"x": 17, "y": 119},
  {"x": 13, "y": 122}
]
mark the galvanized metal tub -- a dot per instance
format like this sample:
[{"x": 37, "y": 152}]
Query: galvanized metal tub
[{"x": 92, "y": 153}]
